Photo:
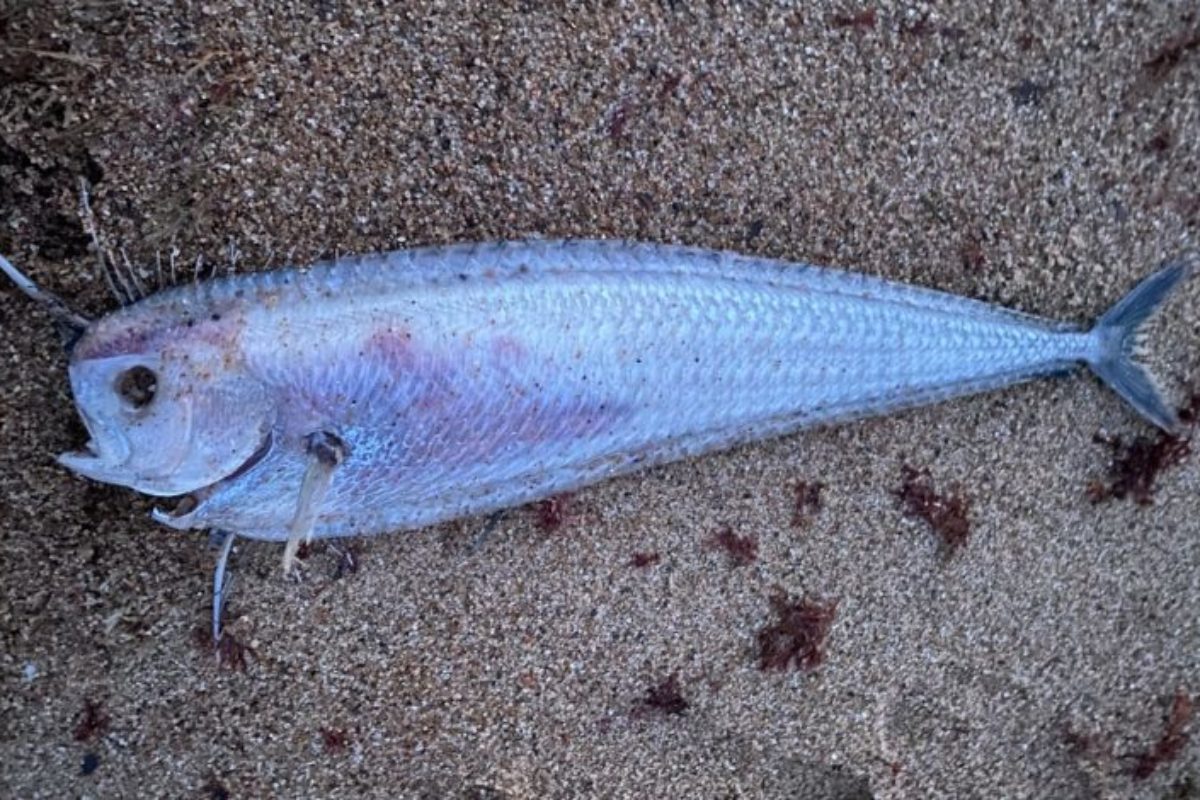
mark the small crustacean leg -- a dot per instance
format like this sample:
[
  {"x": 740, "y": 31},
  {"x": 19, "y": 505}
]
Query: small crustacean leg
[
  {"x": 219, "y": 582},
  {"x": 325, "y": 452}
]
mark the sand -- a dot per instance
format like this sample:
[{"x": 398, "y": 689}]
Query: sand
[{"x": 1043, "y": 156}]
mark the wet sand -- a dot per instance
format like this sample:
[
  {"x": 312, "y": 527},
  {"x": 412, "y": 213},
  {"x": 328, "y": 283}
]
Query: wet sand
[{"x": 1044, "y": 158}]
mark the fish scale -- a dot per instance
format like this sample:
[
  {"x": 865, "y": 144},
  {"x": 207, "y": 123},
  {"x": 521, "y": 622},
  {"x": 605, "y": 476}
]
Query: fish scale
[
  {"x": 673, "y": 351},
  {"x": 448, "y": 381}
]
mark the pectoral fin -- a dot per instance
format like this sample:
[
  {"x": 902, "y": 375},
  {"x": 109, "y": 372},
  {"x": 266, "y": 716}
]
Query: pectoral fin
[{"x": 325, "y": 452}]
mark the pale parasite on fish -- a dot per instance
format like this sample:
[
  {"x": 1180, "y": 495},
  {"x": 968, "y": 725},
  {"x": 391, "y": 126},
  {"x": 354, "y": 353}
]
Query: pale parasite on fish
[{"x": 395, "y": 391}]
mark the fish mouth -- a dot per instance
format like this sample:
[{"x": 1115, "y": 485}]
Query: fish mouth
[
  {"x": 107, "y": 454},
  {"x": 86, "y": 461},
  {"x": 106, "y": 451},
  {"x": 188, "y": 505},
  {"x": 94, "y": 462}
]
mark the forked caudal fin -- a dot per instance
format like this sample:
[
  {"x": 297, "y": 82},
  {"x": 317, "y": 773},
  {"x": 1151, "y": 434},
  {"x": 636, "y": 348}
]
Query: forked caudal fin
[{"x": 1119, "y": 335}]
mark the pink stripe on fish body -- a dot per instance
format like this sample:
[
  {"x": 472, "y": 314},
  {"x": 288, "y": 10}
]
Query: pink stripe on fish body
[{"x": 449, "y": 387}]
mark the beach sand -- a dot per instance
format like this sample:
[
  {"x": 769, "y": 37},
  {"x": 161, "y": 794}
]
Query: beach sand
[{"x": 1044, "y": 156}]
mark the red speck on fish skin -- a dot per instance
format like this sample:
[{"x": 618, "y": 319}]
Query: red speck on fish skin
[
  {"x": 395, "y": 351},
  {"x": 508, "y": 348},
  {"x": 394, "y": 347}
]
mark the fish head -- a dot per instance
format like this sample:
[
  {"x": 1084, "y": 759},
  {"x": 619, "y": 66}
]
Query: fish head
[{"x": 168, "y": 404}]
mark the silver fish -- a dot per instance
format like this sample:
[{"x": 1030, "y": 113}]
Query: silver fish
[{"x": 395, "y": 391}]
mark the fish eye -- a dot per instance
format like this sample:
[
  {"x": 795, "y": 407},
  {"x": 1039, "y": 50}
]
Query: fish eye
[{"x": 136, "y": 386}]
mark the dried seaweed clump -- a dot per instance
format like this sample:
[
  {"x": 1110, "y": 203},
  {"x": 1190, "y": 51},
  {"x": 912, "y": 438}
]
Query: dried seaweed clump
[
  {"x": 552, "y": 512},
  {"x": 1170, "y": 55},
  {"x": 93, "y": 722},
  {"x": 947, "y": 514},
  {"x": 334, "y": 740},
  {"x": 642, "y": 559},
  {"x": 1174, "y": 738},
  {"x": 1136, "y": 465},
  {"x": 664, "y": 697},
  {"x": 797, "y": 636},
  {"x": 742, "y": 550},
  {"x": 808, "y": 502},
  {"x": 230, "y": 652}
]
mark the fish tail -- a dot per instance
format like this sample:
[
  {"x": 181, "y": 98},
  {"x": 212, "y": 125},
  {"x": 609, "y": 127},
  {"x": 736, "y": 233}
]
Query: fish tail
[{"x": 1118, "y": 334}]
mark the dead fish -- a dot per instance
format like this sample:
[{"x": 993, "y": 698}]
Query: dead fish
[{"x": 395, "y": 391}]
